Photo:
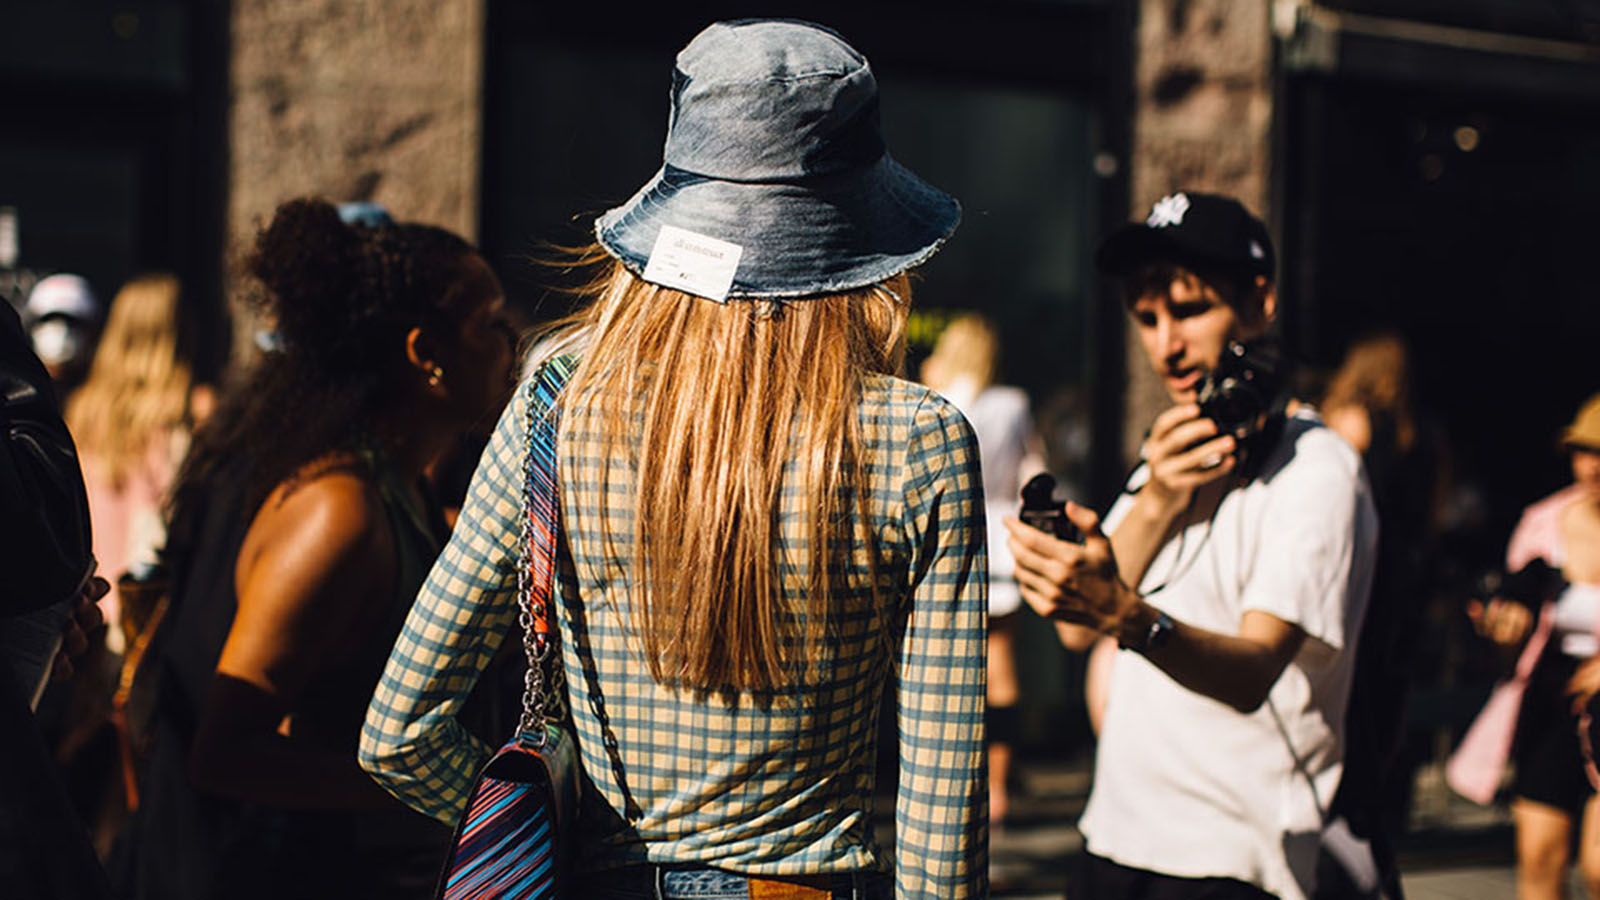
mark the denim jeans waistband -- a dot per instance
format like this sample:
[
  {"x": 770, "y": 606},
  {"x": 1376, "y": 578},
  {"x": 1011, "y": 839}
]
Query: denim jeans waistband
[{"x": 650, "y": 882}]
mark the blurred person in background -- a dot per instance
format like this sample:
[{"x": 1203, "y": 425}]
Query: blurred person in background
[
  {"x": 63, "y": 317},
  {"x": 1234, "y": 579},
  {"x": 768, "y": 529},
  {"x": 301, "y": 531},
  {"x": 1558, "y": 666},
  {"x": 1368, "y": 402},
  {"x": 963, "y": 367},
  {"x": 131, "y": 419}
]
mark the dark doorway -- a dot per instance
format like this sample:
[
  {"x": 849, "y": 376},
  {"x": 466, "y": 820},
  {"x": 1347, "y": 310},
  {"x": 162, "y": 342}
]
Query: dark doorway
[
  {"x": 114, "y": 153},
  {"x": 1465, "y": 222}
]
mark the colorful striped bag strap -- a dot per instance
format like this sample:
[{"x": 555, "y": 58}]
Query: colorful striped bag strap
[{"x": 543, "y": 684}]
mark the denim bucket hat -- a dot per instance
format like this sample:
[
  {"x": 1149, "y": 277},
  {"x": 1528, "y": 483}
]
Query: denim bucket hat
[{"x": 775, "y": 181}]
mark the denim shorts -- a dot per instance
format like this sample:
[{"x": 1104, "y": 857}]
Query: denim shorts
[{"x": 664, "y": 883}]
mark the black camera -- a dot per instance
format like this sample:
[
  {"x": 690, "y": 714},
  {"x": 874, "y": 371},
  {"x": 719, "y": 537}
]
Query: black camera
[
  {"x": 1040, "y": 509},
  {"x": 1240, "y": 392},
  {"x": 1529, "y": 586}
]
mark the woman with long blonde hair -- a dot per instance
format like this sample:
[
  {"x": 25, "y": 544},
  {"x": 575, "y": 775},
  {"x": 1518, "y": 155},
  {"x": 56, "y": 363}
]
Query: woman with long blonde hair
[
  {"x": 1368, "y": 401},
  {"x": 131, "y": 420},
  {"x": 767, "y": 528}
]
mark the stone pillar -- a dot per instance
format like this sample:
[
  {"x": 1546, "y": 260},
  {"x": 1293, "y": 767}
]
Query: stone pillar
[
  {"x": 377, "y": 100},
  {"x": 1202, "y": 121}
]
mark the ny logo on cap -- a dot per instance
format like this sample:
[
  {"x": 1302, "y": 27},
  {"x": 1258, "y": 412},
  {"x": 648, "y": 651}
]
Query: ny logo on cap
[{"x": 1168, "y": 210}]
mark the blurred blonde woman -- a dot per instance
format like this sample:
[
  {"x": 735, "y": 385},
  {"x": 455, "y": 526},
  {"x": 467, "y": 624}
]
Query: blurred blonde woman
[
  {"x": 963, "y": 367},
  {"x": 1369, "y": 399},
  {"x": 768, "y": 529},
  {"x": 131, "y": 420},
  {"x": 1368, "y": 403}
]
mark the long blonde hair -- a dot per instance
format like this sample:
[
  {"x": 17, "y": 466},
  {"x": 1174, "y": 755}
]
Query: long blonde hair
[
  {"x": 968, "y": 347},
  {"x": 708, "y": 407},
  {"x": 138, "y": 385}
]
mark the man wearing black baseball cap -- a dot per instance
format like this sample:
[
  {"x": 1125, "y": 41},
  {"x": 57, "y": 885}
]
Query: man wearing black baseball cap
[{"x": 1235, "y": 574}]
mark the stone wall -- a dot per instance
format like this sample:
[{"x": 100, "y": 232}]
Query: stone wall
[
  {"x": 1202, "y": 121},
  {"x": 375, "y": 100}
]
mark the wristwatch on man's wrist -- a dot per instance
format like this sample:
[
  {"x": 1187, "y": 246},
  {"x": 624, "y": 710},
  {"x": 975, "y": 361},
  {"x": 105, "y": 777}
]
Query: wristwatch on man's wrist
[{"x": 1143, "y": 636}]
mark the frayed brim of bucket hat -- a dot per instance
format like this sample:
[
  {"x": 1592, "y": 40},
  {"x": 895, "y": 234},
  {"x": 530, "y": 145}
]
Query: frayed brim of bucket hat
[{"x": 822, "y": 235}]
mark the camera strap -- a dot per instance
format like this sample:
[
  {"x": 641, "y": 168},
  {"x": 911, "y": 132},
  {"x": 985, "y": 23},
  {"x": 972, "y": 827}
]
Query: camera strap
[{"x": 1257, "y": 446}]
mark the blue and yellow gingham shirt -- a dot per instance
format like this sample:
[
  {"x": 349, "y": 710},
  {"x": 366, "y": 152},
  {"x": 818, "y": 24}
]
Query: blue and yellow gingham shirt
[{"x": 779, "y": 786}]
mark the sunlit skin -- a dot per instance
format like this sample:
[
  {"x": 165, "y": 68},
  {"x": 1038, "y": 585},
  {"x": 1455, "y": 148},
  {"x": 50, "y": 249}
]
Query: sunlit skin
[
  {"x": 1184, "y": 329},
  {"x": 317, "y": 566},
  {"x": 1586, "y": 472}
]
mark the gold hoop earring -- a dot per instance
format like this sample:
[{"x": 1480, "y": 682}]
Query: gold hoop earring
[{"x": 435, "y": 376}]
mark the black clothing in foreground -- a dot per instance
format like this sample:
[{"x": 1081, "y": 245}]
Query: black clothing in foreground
[
  {"x": 1102, "y": 879},
  {"x": 45, "y": 557}
]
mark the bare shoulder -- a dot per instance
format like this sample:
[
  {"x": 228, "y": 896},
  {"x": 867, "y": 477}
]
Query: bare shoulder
[
  {"x": 327, "y": 515},
  {"x": 316, "y": 562}
]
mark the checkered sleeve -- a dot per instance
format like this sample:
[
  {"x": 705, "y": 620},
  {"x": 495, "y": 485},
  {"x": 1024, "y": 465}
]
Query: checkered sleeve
[
  {"x": 411, "y": 743},
  {"x": 941, "y": 834}
]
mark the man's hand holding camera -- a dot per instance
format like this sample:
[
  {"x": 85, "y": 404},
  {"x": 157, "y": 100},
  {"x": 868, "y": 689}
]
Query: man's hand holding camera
[
  {"x": 1184, "y": 452},
  {"x": 1076, "y": 583}
]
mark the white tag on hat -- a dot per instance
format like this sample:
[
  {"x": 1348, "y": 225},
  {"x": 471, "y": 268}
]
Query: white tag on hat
[{"x": 694, "y": 263}]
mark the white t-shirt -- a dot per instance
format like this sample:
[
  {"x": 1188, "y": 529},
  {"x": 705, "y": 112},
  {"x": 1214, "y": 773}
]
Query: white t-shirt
[
  {"x": 1577, "y": 611},
  {"x": 1185, "y": 785}
]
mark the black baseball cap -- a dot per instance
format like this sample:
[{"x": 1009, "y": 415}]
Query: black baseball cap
[{"x": 1203, "y": 229}]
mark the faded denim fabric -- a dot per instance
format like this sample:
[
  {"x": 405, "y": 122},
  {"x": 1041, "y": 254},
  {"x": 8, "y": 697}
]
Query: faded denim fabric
[
  {"x": 654, "y": 883},
  {"x": 774, "y": 144}
]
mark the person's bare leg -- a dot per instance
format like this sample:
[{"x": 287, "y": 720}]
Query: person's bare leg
[
  {"x": 1589, "y": 847},
  {"x": 1003, "y": 694},
  {"x": 1543, "y": 834}
]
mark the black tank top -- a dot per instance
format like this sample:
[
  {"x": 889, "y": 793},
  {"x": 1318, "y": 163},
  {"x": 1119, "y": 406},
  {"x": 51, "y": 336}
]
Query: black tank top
[{"x": 186, "y": 844}]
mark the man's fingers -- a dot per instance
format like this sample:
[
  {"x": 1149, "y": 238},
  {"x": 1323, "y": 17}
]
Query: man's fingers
[
  {"x": 1186, "y": 435},
  {"x": 1030, "y": 538},
  {"x": 1045, "y": 594},
  {"x": 1086, "y": 519},
  {"x": 1204, "y": 456},
  {"x": 73, "y": 641},
  {"x": 1043, "y": 558},
  {"x": 1046, "y": 599},
  {"x": 88, "y": 615},
  {"x": 96, "y": 588},
  {"x": 1194, "y": 478},
  {"x": 1171, "y": 419}
]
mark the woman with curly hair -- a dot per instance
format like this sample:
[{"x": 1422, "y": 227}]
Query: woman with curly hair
[{"x": 302, "y": 530}]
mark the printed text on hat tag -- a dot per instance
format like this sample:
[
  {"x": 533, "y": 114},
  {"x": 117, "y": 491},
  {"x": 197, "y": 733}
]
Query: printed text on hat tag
[{"x": 695, "y": 263}]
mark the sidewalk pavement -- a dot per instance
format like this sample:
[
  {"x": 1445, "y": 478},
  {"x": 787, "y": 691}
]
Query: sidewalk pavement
[{"x": 1456, "y": 851}]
